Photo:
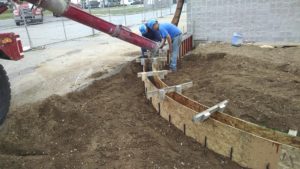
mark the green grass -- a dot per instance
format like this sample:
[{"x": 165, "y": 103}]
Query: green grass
[
  {"x": 113, "y": 11},
  {"x": 117, "y": 10},
  {"x": 6, "y": 15},
  {"x": 96, "y": 11},
  {"x": 47, "y": 13}
]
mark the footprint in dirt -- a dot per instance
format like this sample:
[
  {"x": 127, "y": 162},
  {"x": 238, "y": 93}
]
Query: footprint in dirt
[
  {"x": 215, "y": 56},
  {"x": 288, "y": 68},
  {"x": 207, "y": 57}
]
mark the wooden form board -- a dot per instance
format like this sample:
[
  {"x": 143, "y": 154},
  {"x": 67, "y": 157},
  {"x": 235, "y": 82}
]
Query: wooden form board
[
  {"x": 247, "y": 149},
  {"x": 238, "y": 123},
  {"x": 248, "y": 144}
]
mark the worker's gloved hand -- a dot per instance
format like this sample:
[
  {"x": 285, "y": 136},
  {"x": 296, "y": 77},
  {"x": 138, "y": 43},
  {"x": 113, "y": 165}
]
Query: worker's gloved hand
[
  {"x": 154, "y": 51},
  {"x": 165, "y": 47},
  {"x": 158, "y": 45},
  {"x": 161, "y": 45}
]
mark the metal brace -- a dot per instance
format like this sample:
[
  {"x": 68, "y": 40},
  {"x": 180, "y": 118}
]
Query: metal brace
[
  {"x": 161, "y": 74},
  {"x": 159, "y": 59},
  {"x": 200, "y": 117},
  {"x": 141, "y": 60},
  {"x": 117, "y": 31},
  {"x": 153, "y": 60},
  {"x": 162, "y": 92}
]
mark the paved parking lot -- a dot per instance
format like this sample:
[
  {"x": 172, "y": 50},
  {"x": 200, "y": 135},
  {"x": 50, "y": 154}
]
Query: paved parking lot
[{"x": 63, "y": 67}]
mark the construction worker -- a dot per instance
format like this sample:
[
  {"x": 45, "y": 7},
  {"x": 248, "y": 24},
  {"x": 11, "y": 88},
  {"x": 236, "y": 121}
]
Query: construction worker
[
  {"x": 170, "y": 33},
  {"x": 150, "y": 34}
]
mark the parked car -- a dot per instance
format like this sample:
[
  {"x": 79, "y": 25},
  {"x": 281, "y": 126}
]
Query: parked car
[
  {"x": 111, "y": 3},
  {"x": 126, "y": 2},
  {"x": 137, "y": 2},
  {"x": 93, "y": 4},
  {"x": 77, "y": 5},
  {"x": 28, "y": 13}
]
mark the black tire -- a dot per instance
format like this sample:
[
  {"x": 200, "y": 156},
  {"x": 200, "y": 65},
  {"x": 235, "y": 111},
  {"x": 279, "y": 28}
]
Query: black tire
[
  {"x": 4, "y": 94},
  {"x": 55, "y": 15}
]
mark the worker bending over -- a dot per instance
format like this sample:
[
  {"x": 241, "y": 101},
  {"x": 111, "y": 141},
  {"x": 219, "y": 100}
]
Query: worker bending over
[
  {"x": 150, "y": 34},
  {"x": 170, "y": 33}
]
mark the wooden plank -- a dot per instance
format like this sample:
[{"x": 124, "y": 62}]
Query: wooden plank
[
  {"x": 246, "y": 143},
  {"x": 286, "y": 145},
  {"x": 248, "y": 150},
  {"x": 260, "y": 131},
  {"x": 289, "y": 157}
]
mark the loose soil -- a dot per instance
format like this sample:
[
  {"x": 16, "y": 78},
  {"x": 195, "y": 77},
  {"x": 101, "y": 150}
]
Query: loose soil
[
  {"x": 109, "y": 124},
  {"x": 262, "y": 85}
]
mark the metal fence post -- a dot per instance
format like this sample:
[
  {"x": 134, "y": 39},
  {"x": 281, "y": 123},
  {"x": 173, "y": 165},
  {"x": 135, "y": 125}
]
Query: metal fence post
[
  {"x": 25, "y": 25},
  {"x": 124, "y": 9},
  {"x": 64, "y": 28},
  {"x": 89, "y": 5},
  {"x": 156, "y": 15},
  {"x": 153, "y": 9},
  {"x": 161, "y": 8},
  {"x": 109, "y": 15},
  {"x": 143, "y": 13},
  {"x": 171, "y": 4}
]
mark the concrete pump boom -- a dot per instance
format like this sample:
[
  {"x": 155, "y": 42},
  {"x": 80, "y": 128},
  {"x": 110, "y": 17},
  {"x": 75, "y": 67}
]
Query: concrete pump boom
[{"x": 68, "y": 10}]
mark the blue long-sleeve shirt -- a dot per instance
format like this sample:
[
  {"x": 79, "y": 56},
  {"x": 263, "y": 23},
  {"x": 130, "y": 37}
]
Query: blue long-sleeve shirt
[
  {"x": 152, "y": 35},
  {"x": 166, "y": 29}
]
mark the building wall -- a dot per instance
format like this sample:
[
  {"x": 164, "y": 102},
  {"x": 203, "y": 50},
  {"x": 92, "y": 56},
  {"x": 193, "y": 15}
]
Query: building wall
[{"x": 257, "y": 20}]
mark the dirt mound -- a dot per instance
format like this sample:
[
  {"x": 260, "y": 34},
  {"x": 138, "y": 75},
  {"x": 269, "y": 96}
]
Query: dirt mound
[
  {"x": 110, "y": 124},
  {"x": 261, "y": 88}
]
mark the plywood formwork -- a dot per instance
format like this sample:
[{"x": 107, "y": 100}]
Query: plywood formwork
[{"x": 248, "y": 144}]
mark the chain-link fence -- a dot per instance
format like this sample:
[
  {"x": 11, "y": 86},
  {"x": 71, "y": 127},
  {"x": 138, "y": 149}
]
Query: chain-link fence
[{"x": 55, "y": 29}]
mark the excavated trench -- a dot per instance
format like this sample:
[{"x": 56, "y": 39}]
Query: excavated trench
[
  {"x": 237, "y": 77},
  {"x": 110, "y": 124},
  {"x": 243, "y": 81},
  {"x": 261, "y": 90}
]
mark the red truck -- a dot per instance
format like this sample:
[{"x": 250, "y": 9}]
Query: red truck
[{"x": 10, "y": 49}]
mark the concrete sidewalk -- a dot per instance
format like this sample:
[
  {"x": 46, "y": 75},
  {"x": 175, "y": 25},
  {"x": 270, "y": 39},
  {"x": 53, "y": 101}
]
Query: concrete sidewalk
[{"x": 68, "y": 66}]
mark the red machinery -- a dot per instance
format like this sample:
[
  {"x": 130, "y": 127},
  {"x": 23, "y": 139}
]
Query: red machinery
[
  {"x": 10, "y": 44},
  {"x": 11, "y": 47}
]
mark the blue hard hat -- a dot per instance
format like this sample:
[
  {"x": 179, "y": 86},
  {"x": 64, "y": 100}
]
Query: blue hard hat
[
  {"x": 143, "y": 29},
  {"x": 151, "y": 23}
]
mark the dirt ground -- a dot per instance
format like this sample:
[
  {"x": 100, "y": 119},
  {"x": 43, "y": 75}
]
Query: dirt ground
[
  {"x": 262, "y": 85},
  {"x": 110, "y": 124}
]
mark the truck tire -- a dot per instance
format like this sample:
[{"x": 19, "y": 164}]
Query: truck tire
[{"x": 4, "y": 94}]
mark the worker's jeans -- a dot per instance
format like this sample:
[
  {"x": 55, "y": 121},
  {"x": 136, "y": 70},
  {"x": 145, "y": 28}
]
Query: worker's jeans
[{"x": 175, "y": 53}]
